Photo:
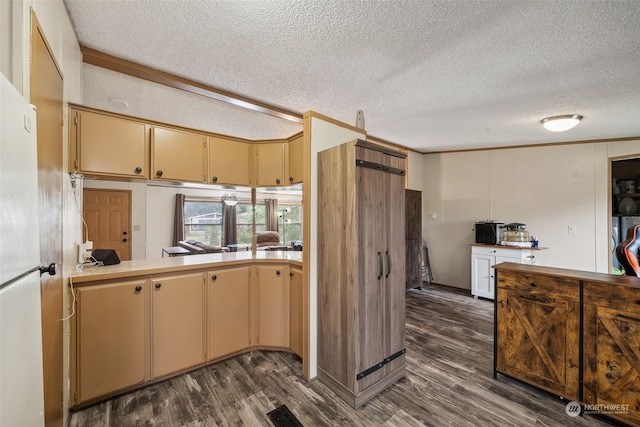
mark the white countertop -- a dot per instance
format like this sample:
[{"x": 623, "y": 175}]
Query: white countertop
[{"x": 139, "y": 268}]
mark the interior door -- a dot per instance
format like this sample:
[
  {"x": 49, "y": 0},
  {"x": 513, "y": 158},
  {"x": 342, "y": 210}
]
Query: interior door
[
  {"x": 108, "y": 217},
  {"x": 46, "y": 94},
  {"x": 370, "y": 218}
]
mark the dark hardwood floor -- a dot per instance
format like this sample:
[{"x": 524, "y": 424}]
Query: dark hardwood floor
[{"x": 449, "y": 382}]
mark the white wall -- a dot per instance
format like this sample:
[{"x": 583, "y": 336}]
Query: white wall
[
  {"x": 415, "y": 164},
  {"x": 323, "y": 134},
  {"x": 548, "y": 188}
]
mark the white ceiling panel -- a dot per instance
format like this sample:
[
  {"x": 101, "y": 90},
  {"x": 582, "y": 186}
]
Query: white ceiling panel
[{"x": 429, "y": 75}]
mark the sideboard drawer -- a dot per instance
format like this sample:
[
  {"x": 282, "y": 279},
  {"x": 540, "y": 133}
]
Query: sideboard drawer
[{"x": 534, "y": 285}]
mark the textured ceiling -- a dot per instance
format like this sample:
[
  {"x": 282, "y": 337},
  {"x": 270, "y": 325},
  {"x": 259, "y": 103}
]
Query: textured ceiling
[{"x": 429, "y": 75}]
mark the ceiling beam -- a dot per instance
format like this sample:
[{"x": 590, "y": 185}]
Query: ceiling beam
[{"x": 109, "y": 62}]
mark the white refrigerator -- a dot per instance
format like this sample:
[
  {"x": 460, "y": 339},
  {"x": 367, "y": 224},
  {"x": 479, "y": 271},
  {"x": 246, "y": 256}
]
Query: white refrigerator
[{"x": 21, "y": 379}]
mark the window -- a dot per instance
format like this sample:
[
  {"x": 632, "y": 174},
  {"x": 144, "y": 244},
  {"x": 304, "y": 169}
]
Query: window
[
  {"x": 290, "y": 223},
  {"x": 203, "y": 221},
  {"x": 244, "y": 222}
]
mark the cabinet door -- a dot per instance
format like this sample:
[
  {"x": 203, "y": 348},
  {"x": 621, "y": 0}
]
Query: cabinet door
[
  {"x": 482, "y": 282},
  {"x": 229, "y": 161},
  {"x": 370, "y": 324},
  {"x": 395, "y": 268},
  {"x": 109, "y": 145},
  {"x": 271, "y": 159},
  {"x": 296, "y": 323},
  {"x": 296, "y": 159},
  {"x": 228, "y": 294},
  {"x": 178, "y": 155},
  {"x": 612, "y": 348},
  {"x": 273, "y": 308},
  {"x": 111, "y": 337},
  {"x": 538, "y": 328},
  {"x": 177, "y": 333}
]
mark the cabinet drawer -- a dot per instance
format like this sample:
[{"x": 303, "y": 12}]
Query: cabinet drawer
[
  {"x": 541, "y": 286},
  {"x": 522, "y": 254}
]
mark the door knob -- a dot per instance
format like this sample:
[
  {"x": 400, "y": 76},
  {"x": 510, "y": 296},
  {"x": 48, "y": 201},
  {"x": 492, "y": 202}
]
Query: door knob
[
  {"x": 51, "y": 269},
  {"x": 138, "y": 170},
  {"x": 159, "y": 173},
  {"x": 125, "y": 240}
]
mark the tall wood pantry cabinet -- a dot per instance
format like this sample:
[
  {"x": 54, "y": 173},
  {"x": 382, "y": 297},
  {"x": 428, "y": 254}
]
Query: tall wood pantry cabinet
[
  {"x": 413, "y": 236},
  {"x": 361, "y": 269}
]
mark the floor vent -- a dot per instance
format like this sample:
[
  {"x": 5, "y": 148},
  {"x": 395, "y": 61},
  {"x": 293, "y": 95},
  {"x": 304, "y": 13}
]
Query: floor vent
[{"x": 283, "y": 417}]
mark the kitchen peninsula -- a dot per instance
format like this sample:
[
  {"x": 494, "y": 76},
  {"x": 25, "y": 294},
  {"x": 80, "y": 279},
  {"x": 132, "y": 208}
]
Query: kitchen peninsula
[
  {"x": 571, "y": 333},
  {"x": 143, "y": 321}
]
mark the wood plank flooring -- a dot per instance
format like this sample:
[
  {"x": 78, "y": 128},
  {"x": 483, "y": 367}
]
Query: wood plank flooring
[{"x": 449, "y": 382}]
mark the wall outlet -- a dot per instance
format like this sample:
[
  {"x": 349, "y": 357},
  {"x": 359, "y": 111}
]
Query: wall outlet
[{"x": 84, "y": 251}]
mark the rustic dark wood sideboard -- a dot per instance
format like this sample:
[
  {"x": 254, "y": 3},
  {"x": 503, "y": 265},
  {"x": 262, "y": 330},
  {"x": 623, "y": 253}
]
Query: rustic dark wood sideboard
[{"x": 572, "y": 333}]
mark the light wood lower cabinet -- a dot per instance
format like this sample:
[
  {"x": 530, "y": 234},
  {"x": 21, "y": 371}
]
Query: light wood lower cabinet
[
  {"x": 296, "y": 323},
  {"x": 177, "y": 330},
  {"x": 273, "y": 305},
  {"x": 229, "y": 314},
  {"x": 112, "y": 339},
  {"x": 129, "y": 333}
]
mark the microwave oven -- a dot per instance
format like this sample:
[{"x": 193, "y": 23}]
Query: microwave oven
[{"x": 489, "y": 232}]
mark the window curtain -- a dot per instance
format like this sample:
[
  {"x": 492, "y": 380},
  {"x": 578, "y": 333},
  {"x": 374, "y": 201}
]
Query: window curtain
[
  {"x": 178, "y": 220},
  {"x": 271, "y": 213},
  {"x": 229, "y": 229}
]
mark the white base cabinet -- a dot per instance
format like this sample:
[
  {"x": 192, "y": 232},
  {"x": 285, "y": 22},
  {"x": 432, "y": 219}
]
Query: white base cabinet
[{"x": 483, "y": 257}]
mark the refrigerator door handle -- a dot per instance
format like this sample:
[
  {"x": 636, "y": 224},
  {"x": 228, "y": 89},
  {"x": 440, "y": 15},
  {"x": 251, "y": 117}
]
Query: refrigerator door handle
[{"x": 51, "y": 269}]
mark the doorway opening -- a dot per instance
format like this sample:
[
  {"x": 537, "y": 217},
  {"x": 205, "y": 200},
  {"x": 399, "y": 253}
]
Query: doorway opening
[{"x": 625, "y": 203}]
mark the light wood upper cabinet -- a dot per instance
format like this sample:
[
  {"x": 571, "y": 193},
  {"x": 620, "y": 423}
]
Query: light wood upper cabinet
[
  {"x": 229, "y": 314},
  {"x": 178, "y": 155},
  {"x": 107, "y": 145},
  {"x": 178, "y": 323},
  {"x": 111, "y": 338},
  {"x": 271, "y": 164},
  {"x": 229, "y": 161},
  {"x": 296, "y": 160},
  {"x": 273, "y": 305}
]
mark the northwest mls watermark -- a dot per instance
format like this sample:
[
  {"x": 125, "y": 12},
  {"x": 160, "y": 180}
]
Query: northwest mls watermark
[{"x": 574, "y": 409}]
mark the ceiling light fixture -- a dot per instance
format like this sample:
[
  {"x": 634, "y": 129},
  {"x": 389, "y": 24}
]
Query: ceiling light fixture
[
  {"x": 561, "y": 123},
  {"x": 118, "y": 103}
]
